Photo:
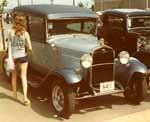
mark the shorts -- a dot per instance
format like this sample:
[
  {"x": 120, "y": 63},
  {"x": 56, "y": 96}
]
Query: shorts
[{"x": 21, "y": 60}]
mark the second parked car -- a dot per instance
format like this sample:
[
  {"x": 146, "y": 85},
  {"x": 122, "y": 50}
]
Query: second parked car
[{"x": 128, "y": 29}]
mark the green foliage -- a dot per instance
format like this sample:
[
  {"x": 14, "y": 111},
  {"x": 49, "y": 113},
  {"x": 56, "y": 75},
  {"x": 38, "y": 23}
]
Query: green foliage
[
  {"x": 80, "y": 4},
  {"x": 86, "y": 5},
  {"x": 93, "y": 7},
  {"x": 3, "y": 3}
]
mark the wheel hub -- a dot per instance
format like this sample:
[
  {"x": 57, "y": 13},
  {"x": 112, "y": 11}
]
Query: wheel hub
[{"x": 58, "y": 98}]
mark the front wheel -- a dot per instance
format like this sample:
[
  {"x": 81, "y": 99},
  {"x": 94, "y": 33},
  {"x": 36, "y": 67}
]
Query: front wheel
[
  {"x": 136, "y": 90},
  {"x": 62, "y": 98}
]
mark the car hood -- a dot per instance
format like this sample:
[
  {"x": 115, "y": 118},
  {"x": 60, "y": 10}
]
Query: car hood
[
  {"x": 79, "y": 42},
  {"x": 142, "y": 31}
]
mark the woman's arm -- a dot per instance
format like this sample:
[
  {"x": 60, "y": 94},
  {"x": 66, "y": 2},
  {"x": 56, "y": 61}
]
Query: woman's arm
[{"x": 28, "y": 44}]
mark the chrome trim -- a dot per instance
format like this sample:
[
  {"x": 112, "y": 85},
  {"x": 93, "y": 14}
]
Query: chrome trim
[
  {"x": 102, "y": 64},
  {"x": 100, "y": 94}
]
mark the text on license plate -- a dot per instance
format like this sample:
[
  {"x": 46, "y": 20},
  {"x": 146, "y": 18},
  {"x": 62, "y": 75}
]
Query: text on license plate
[{"x": 107, "y": 86}]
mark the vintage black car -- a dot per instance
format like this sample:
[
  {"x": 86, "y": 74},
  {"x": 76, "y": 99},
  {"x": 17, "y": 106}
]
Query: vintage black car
[
  {"x": 69, "y": 63},
  {"x": 128, "y": 29}
]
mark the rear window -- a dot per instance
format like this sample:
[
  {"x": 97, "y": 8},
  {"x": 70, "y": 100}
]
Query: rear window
[{"x": 139, "y": 22}]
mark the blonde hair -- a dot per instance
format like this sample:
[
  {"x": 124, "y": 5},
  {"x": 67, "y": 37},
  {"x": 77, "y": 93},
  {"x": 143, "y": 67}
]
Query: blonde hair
[{"x": 19, "y": 25}]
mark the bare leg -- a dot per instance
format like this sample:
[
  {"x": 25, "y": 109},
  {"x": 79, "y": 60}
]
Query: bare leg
[
  {"x": 23, "y": 68},
  {"x": 14, "y": 83}
]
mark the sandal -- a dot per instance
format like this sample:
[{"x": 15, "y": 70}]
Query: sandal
[{"x": 26, "y": 102}]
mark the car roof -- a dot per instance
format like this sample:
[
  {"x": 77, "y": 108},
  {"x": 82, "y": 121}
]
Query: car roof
[
  {"x": 127, "y": 12},
  {"x": 55, "y": 11}
]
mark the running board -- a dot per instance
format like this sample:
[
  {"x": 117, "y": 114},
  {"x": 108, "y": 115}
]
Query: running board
[{"x": 101, "y": 94}]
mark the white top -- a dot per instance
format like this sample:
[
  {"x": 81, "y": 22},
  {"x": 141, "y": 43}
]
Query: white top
[{"x": 18, "y": 44}]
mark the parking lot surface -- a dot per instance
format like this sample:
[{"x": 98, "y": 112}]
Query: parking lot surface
[{"x": 100, "y": 109}]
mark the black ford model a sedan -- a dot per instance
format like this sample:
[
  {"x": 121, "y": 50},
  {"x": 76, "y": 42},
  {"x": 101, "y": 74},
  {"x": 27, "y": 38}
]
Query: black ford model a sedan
[
  {"x": 70, "y": 63},
  {"x": 128, "y": 29}
]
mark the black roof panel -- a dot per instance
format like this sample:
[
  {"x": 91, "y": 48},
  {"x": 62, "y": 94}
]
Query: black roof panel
[{"x": 47, "y": 9}]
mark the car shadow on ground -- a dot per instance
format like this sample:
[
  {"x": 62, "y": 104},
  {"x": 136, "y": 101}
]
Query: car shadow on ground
[
  {"x": 105, "y": 102},
  {"x": 147, "y": 99},
  {"x": 99, "y": 103},
  {"x": 83, "y": 106},
  {"x": 41, "y": 105}
]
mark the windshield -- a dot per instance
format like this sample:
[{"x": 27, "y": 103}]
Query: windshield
[
  {"x": 138, "y": 22},
  {"x": 70, "y": 26}
]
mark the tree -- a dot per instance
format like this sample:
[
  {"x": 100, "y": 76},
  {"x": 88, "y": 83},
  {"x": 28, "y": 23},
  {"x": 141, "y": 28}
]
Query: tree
[
  {"x": 93, "y": 7},
  {"x": 3, "y": 3},
  {"x": 73, "y": 2},
  {"x": 52, "y": 2},
  {"x": 86, "y": 5},
  {"x": 80, "y": 4}
]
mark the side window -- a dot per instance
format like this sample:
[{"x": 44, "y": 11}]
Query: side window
[
  {"x": 89, "y": 27},
  {"x": 116, "y": 22},
  {"x": 37, "y": 28},
  {"x": 74, "y": 27}
]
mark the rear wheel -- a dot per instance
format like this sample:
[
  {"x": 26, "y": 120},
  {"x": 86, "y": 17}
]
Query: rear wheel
[
  {"x": 136, "y": 90},
  {"x": 62, "y": 98}
]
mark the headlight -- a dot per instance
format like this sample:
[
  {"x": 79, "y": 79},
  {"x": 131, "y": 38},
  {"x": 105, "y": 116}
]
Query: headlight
[
  {"x": 86, "y": 60},
  {"x": 124, "y": 57}
]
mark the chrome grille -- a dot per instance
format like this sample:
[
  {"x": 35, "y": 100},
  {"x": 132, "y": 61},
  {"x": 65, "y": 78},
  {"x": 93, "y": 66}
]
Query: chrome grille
[
  {"x": 102, "y": 68},
  {"x": 103, "y": 55}
]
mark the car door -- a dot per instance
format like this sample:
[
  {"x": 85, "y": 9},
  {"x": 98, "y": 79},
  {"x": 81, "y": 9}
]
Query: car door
[
  {"x": 117, "y": 32},
  {"x": 38, "y": 39}
]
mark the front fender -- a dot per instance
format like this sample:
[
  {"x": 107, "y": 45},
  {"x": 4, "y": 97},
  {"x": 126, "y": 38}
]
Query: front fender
[
  {"x": 69, "y": 75},
  {"x": 123, "y": 73}
]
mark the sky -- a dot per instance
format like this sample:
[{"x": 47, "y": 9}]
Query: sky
[{"x": 13, "y": 3}]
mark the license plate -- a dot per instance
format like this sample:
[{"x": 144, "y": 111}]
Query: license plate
[{"x": 107, "y": 86}]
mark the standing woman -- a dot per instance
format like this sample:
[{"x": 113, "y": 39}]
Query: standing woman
[{"x": 20, "y": 43}]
